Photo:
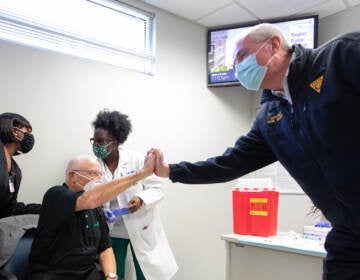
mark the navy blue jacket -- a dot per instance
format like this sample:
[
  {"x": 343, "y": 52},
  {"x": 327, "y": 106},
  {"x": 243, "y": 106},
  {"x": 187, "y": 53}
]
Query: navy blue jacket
[{"x": 316, "y": 138}]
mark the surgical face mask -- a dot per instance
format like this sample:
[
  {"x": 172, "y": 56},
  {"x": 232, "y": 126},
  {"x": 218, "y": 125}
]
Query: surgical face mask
[
  {"x": 89, "y": 185},
  {"x": 101, "y": 151},
  {"x": 249, "y": 73},
  {"x": 27, "y": 143}
]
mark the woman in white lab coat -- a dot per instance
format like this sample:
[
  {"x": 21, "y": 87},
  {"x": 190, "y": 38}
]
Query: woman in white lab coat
[{"x": 142, "y": 228}]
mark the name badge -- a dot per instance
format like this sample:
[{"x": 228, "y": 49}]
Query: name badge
[{"x": 11, "y": 186}]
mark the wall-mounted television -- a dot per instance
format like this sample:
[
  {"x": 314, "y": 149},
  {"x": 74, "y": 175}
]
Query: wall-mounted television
[{"x": 221, "y": 44}]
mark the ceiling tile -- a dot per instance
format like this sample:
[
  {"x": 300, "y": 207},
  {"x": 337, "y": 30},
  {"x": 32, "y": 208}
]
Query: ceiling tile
[
  {"x": 225, "y": 12},
  {"x": 353, "y": 2},
  {"x": 278, "y": 8},
  {"x": 231, "y": 14},
  {"x": 190, "y": 9},
  {"x": 329, "y": 8}
]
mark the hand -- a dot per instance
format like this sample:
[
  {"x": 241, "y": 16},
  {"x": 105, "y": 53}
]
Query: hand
[
  {"x": 162, "y": 169},
  {"x": 109, "y": 216},
  {"x": 121, "y": 211},
  {"x": 149, "y": 164},
  {"x": 135, "y": 203}
]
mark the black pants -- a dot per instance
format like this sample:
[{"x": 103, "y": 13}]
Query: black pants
[
  {"x": 343, "y": 256},
  {"x": 60, "y": 274}
]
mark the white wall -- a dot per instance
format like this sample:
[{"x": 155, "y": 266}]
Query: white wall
[
  {"x": 173, "y": 110},
  {"x": 342, "y": 22}
]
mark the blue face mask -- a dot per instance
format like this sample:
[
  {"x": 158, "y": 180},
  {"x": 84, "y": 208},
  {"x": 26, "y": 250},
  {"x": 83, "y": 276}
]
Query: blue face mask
[{"x": 249, "y": 73}]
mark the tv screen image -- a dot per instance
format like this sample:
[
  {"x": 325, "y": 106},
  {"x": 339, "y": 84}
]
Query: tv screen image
[{"x": 221, "y": 45}]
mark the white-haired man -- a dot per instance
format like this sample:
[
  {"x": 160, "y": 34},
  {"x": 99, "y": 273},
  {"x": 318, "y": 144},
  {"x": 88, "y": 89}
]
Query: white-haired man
[
  {"x": 72, "y": 235},
  {"x": 309, "y": 122}
]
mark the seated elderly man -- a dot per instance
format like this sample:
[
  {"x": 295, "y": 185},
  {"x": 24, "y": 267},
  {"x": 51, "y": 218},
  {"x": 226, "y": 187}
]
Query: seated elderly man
[{"x": 73, "y": 236}]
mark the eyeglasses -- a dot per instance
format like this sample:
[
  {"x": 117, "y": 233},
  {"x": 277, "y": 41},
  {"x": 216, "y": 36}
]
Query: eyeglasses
[
  {"x": 27, "y": 130},
  {"x": 105, "y": 141},
  {"x": 93, "y": 173}
]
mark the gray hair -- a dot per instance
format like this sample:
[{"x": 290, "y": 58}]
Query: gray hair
[
  {"x": 78, "y": 161},
  {"x": 264, "y": 31}
]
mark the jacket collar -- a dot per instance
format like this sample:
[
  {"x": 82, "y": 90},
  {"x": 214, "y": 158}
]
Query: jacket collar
[{"x": 301, "y": 59}]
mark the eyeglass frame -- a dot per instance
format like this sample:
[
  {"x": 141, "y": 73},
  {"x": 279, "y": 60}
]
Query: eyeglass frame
[
  {"x": 107, "y": 142},
  {"x": 90, "y": 172}
]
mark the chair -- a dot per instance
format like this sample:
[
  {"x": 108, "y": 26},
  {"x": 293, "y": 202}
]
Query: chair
[{"x": 17, "y": 266}]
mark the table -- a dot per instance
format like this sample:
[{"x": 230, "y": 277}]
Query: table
[{"x": 280, "y": 257}]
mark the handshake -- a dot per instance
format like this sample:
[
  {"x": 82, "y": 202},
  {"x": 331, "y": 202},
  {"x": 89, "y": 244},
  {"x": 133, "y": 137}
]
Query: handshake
[{"x": 154, "y": 163}]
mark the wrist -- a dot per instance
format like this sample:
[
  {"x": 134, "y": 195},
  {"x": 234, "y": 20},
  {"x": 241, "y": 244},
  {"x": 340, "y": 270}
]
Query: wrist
[
  {"x": 111, "y": 275},
  {"x": 167, "y": 171},
  {"x": 140, "y": 174}
]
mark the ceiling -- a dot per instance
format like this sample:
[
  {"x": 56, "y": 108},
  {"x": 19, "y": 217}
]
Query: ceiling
[{"x": 211, "y": 13}]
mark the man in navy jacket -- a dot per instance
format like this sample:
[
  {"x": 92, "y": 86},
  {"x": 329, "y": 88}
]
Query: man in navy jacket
[{"x": 308, "y": 122}]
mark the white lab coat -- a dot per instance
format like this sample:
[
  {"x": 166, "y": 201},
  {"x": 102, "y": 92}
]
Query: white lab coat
[{"x": 144, "y": 226}]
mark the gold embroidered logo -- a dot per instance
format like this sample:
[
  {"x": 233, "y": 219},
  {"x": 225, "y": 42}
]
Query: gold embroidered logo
[
  {"x": 316, "y": 85},
  {"x": 275, "y": 118}
]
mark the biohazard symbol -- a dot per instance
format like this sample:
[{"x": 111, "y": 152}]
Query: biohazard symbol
[{"x": 316, "y": 85}]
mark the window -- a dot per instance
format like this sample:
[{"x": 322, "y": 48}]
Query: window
[{"x": 104, "y": 30}]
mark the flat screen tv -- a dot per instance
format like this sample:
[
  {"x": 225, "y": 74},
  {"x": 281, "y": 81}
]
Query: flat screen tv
[{"x": 221, "y": 43}]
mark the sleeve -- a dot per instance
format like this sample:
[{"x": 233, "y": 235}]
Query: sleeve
[
  {"x": 152, "y": 191},
  {"x": 20, "y": 208},
  {"x": 58, "y": 206},
  {"x": 105, "y": 241},
  {"x": 249, "y": 153}
]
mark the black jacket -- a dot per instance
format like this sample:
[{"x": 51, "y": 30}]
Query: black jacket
[{"x": 9, "y": 205}]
